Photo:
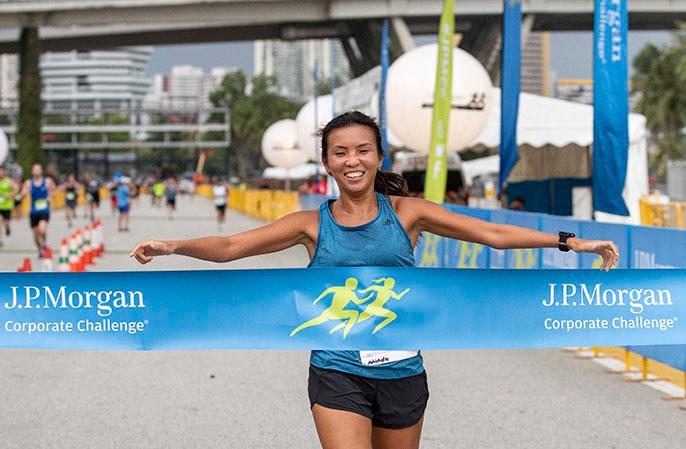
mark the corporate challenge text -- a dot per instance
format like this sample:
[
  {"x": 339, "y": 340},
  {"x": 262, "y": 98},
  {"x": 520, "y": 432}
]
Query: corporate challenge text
[
  {"x": 103, "y": 302},
  {"x": 635, "y": 300}
]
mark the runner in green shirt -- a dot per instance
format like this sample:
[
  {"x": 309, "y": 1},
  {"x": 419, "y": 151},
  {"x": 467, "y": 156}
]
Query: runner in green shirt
[{"x": 8, "y": 189}]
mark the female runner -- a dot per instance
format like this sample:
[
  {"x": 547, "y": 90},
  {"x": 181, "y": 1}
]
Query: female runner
[{"x": 356, "y": 403}]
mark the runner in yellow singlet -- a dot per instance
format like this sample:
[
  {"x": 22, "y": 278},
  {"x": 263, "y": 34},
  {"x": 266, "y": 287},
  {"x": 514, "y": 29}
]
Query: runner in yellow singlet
[{"x": 8, "y": 190}]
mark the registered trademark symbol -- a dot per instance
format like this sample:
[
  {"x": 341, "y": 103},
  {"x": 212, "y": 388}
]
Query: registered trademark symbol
[{"x": 146, "y": 322}]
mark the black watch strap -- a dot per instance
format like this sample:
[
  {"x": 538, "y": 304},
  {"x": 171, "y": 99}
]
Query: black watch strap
[{"x": 562, "y": 243}]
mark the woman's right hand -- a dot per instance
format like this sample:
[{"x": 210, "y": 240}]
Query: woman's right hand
[{"x": 145, "y": 251}]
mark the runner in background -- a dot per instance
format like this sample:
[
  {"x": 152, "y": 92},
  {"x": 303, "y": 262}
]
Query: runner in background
[
  {"x": 170, "y": 190},
  {"x": 92, "y": 194},
  {"x": 71, "y": 190},
  {"x": 157, "y": 193},
  {"x": 124, "y": 189},
  {"x": 18, "y": 197},
  {"x": 220, "y": 194},
  {"x": 113, "y": 186},
  {"x": 8, "y": 191},
  {"x": 41, "y": 190}
]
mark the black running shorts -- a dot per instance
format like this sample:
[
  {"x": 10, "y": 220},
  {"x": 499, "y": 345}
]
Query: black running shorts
[
  {"x": 389, "y": 403},
  {"x": 37, "y": 218}
]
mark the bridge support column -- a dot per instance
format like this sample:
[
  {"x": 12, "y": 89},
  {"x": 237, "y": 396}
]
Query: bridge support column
[{"x": 363, "y": 49}]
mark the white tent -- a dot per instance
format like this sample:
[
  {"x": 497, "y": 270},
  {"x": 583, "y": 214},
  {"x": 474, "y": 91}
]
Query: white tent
[
  {"x": 481, "y": 166},
  {"x": 565, "y": 130}
]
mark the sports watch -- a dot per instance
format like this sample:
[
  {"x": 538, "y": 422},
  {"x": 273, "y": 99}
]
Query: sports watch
[{"x": 562, "y": 243}]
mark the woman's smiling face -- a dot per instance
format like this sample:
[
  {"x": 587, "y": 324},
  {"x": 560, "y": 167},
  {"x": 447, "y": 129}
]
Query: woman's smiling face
[{"x": 352, "y": 158}]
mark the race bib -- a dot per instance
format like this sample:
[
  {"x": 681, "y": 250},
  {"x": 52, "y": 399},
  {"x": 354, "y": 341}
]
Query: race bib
[
  {"x": 41, "y": 204},
  {"x": 219, "y": 201},
  {"x": 71, "y": 196},
  {"x": 380, "y": 357},
  {"x": 89, "y": 197}
]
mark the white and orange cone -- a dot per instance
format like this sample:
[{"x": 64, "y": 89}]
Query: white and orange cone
[
  {"x": 73, "y": 254},
  {"x": 46, "y": 261},
  {"x": 63, "y": 265},
  {"x": 87, "y": 249}
]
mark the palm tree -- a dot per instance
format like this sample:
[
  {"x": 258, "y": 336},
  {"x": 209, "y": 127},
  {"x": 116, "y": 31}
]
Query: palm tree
[{"x": 659, "y": 77}]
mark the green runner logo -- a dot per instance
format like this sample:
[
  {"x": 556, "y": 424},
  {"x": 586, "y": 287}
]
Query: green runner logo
[{"x": 344, "y": 295}]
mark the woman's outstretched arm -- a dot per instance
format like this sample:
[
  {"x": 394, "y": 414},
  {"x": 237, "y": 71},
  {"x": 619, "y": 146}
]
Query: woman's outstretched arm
[
  {"x": 291, "y": 230},
  {"x": 434, "y": 218}
]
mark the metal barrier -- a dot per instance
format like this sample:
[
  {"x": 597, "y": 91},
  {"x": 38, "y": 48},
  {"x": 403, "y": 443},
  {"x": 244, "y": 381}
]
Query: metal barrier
[{"x": 655, "y": 212}]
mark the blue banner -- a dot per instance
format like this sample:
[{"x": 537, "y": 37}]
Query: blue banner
[
  {"x": 611, "y": 106},
  {"x": 509, "y": 96},
  {"x": 430, "y": 251},
  {"x": 657, "y": 247},
  {"x": 342, "y": 308},
  {"x": 385, "y": 61},
  {"x": 461, "y": 254}
]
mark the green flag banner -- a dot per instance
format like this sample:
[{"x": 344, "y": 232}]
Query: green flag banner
[{"x": 436, "y": 168}]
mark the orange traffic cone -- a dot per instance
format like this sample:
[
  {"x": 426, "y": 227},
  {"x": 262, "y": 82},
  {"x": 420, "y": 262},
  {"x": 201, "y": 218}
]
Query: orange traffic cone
[
  {"x": 73, "y": 256},
  {"x": 95, "y": 239},
  {"x": 64, "y": 257},
  {"x": 101, "y": 238},
  {"x": 79, "y": 251},
  {"x": 26, "y": 266},
  {"x": 46, "y": 261},
  {"x": 87, "y": 249}
]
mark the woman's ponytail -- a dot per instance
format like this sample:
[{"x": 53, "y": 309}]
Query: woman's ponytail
[{"x": 389, "y": 183}]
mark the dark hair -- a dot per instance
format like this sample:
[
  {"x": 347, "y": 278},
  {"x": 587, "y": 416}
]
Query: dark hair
[{"x": 386, "y": 183}]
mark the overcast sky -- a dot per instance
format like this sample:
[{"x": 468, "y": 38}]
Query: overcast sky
[{"x": 571, "y": 53}]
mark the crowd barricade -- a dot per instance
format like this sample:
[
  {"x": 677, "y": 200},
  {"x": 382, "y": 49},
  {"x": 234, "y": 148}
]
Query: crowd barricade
[
  {"x": 662, "y": 213},
  {"x": 265, "y": 204},
  {"x": 204, "y": 190},
  {"x": 639, "y": 247}
]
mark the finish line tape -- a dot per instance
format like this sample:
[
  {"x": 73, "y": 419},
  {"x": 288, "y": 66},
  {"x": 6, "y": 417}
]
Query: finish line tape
[{"x": 342, "y": 308}]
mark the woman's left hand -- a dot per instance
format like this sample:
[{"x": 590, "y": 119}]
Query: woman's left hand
[{"x": 604, "y": 248}]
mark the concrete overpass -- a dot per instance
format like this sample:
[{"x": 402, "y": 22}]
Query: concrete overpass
[
  {"x": 73, "y": 24},
  {"x": 87, "y": 24}
]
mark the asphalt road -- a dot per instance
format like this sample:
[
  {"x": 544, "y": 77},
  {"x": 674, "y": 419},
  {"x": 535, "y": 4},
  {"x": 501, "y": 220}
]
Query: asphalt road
[{"x": 258, "y": 399}]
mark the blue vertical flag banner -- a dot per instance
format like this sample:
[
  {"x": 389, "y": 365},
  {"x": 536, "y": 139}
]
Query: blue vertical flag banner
[
  {"x": 383, "y": 120},
  {"x": 611, "y": 106},
  {"x": 511, "y": 79}
]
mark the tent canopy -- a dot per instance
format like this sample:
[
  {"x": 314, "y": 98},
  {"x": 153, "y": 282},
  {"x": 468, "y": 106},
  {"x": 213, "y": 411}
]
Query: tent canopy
[
  {"x": 554, "y": 135},
  {"x": 550, "y": 121}
]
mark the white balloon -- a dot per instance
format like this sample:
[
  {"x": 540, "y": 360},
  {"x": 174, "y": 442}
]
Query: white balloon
[
  {"x": 309, "y": 142},
  {"x": 280, "y": 145},
  {"x": 4, "y": 146},
  {"x": 410, "y": 97}
]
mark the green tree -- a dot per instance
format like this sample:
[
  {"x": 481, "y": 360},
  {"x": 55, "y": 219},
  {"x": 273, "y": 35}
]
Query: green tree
[
  {"x": 659, "y": 77},
  {"x": 29, "y": 149},
  {"x": 254, "y": 106}
]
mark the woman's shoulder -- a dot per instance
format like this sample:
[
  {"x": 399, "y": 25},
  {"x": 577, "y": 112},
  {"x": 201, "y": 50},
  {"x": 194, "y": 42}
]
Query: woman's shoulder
[{"x": 406, "y": 202}]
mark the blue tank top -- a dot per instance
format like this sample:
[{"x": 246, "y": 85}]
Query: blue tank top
[
  {"x": 122, "y": 195},
  {"x": 39, "y": 198},
  {"x": 381, "y": 242}
]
